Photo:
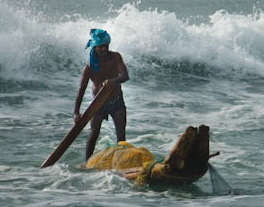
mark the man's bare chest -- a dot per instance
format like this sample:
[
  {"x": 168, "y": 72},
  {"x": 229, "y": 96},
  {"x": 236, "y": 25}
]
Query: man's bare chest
[
  {"x": 107, "y": 65},
  {"x": 107, "y": 70}
]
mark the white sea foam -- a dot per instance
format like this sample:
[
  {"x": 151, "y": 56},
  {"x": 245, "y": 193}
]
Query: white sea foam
[{"x": 231, "y": 43}]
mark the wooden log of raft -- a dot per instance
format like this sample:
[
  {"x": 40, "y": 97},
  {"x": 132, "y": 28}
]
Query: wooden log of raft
[
  {"x": 186, "y": 162},
  {"x": 188, "y": 159}
]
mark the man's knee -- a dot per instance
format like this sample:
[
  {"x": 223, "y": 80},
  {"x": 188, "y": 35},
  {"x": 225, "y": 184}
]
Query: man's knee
[
  {"x": 119, "y": 117},
  {"x": 95, "y": 125},
  {"x": 94, "y": 133},
  {"x": 120, "y": 125}
]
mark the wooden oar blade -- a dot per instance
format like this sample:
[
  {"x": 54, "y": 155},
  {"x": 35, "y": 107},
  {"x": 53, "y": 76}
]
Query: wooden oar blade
[{"x": 97, "y": 102}]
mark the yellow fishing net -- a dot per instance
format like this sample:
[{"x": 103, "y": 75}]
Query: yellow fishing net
[{"x": 121, "y": 156}]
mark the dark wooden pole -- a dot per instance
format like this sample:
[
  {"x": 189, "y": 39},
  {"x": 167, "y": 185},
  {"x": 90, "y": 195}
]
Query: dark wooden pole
[{"x": 97, "y": 102}]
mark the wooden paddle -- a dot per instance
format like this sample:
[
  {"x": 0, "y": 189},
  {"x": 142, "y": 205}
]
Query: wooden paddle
[{"x": 97, "y": 102}]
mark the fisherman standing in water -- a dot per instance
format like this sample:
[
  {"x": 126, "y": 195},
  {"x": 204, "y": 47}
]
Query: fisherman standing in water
[{"x": 104, "y": 68}]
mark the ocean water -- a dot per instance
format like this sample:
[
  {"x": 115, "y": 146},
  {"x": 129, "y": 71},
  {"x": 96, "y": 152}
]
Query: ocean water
[{"x": 190, "y": 63}]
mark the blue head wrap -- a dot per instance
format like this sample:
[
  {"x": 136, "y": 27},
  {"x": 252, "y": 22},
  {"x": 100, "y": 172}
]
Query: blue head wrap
[{"x": 98, "y": 37}]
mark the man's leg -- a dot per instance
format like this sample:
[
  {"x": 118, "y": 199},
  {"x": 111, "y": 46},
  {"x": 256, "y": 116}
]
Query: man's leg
[
  {"x": 119, "y": 118},
  {"x": 96, "y": 123}
]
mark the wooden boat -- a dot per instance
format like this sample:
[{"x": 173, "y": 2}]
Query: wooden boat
[{"x": 186, "y": 162}]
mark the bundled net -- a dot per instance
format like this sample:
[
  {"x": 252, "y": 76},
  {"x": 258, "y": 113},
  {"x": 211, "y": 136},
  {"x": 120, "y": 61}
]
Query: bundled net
[{"x": 121, "y": 156}]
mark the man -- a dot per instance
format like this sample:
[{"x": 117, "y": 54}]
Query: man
[{"x": 104, "y": 68}]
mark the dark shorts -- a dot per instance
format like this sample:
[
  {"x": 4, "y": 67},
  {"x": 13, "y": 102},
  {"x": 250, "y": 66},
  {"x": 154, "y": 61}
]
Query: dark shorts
[{"x": 111, "y": 106}]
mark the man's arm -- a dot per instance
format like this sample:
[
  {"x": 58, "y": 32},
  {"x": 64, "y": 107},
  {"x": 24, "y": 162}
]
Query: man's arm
[
  {"x": 122, "y": 75},
  {"x": 82, "y": 88}
]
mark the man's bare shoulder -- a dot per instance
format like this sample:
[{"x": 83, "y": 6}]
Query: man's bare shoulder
[
  {"x": 87, "y": 70},
  {"x": 115, "y": 54}
]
